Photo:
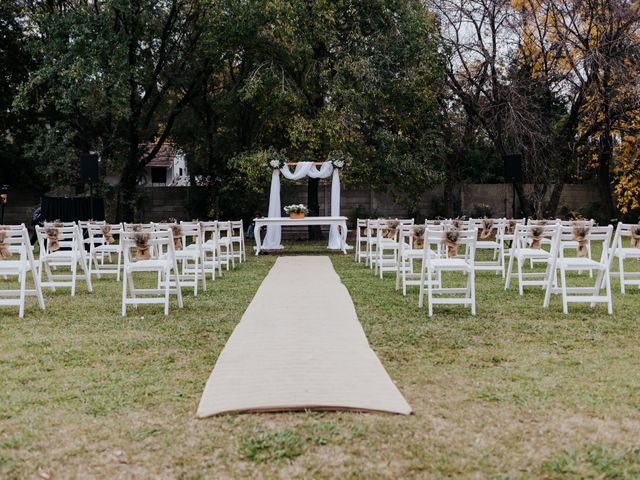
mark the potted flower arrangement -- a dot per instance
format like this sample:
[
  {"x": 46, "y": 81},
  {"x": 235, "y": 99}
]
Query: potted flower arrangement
[
  {"x": 276, "y": 159},
  {"x": 296, "y": 211}
]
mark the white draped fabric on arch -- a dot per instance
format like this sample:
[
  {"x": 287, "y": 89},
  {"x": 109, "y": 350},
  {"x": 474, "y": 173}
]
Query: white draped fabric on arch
[{"x": 303, "y": 169}]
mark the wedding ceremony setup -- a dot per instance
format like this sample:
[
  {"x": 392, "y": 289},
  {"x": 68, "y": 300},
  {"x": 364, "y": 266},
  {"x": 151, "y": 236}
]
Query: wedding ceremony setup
[{"x": 313, "y": 240}]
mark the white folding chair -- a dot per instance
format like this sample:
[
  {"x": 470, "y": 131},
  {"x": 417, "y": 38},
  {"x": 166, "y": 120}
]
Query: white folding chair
[
  {"x": 225, "y": 245},
  {"x": 16, "y": 259},
  {"x": 372, "y": 242},
  {"x": 528, "y": 245},
  {"x": 449, "y": 240},
  {"x": 237, "y": 238},
  {"x": 104, "y": 241},
  {"x": 62, "y": 247},
  {"x": 361, "y": 240},
  {"x": 490, "y": 238},
  {"x": 211, "y": 251},
  {"x": 150, "y": 252},
  {"x": 580, "y": 263},
  {"x": 410, "y": 251},
  {"x": 189, "y": 253},
  {"x": 626, "y": 246},
  {"x": 387, "y": 244}
]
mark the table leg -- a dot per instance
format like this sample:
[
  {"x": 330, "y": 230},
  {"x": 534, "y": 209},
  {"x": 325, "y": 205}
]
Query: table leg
[
  {"x": 256, "y": 235},
  {"x": 343, "y": 237}
]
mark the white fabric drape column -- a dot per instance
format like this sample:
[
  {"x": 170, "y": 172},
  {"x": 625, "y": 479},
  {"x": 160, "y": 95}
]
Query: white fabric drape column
[
  {"x": 334, "y": 235},
  {"x": 273, "y": 237}
]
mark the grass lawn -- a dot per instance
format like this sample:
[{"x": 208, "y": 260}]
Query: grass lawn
[{"x": 515, "y": 392}]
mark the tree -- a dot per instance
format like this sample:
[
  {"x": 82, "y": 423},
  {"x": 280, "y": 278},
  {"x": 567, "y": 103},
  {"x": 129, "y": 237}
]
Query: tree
[{"x": 113, "y": 76}]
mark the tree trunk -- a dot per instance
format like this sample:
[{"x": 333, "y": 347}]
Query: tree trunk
[
  {"x": 604, "y": 177},
  {"x": 314, "y": 207}
]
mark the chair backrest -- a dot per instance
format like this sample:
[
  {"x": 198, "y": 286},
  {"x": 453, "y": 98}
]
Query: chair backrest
[
  {"x": 530, "y": 236},
  {"x": 64, "y": 238},
  {"x": 571, "y": 223},
  {"x": 59, "y": 224},
  {"x": 512, "y": 223},
  {"x": 489, "y": 228},
  {"x": 239, "y": 226},
  {"x": 14, "y": 240},
  {"x": 192, "y": 233},
  {"x": 449, "y": 240},
  {"x": 147, "y": 245},
  {"x": 225, "y": 229},
  {"x": 626, "y": 230},
  {"x": 103, "y": 233},
  {"x": 458, "y": 223},
  {"x": 542, "y": 221},
  {"x": 602, "y": 235},
  {"x": 142, "y": 227}
]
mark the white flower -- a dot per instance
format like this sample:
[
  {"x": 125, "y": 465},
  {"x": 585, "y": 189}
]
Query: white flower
[
  {"x": 274, "y": 163},
  {"x": 338, "y": 163}
]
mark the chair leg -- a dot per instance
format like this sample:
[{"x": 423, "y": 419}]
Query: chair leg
[
  {"x": 472, "y": 287},
  {"x": 430, "y": 294},
  {"x": 607, "y": 286},
  {"x": 124, "y": 294},
  {"x": 509, "y": 270},
  {"x": 621, "y": 263},
  {"x": 23, "y": 292},
  {"x": 520, "y": 287},
  {"x": 563, "y": 286}
]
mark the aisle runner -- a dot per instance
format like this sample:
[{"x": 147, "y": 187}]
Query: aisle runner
[{"x": 300, "y": 346}]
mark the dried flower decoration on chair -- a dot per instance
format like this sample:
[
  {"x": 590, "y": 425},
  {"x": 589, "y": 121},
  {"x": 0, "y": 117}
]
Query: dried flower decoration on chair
[
  {"x": 5, "y": 253},
  {"x": 536, "y": 236},
  {"x": 452, "y": 241},
  {"x": 176, "y": 231},
  {"x": 143, "y": 249},
  {"x": 52, "y": 239},
  {"x": 487, "y": 230},
  {"x": 580, "y": 233},
  {"x": 106, "y": 233}
]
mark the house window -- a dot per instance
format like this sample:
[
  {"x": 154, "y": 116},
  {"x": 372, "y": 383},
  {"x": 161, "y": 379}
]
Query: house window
[{"x": 158, "y": 175}]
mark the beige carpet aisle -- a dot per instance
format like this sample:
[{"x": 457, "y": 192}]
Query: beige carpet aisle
[{"x": 300, "y": 346}]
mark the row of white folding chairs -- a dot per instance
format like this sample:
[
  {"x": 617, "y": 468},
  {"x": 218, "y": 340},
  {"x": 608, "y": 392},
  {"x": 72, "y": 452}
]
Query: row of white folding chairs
[{"x": 381, "y": 243}]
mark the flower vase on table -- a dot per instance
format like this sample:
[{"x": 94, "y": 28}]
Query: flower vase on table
[{"x": 296, "y": 211}]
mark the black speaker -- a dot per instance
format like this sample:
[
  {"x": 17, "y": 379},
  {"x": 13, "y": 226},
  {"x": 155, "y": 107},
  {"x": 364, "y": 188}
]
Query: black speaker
[
  {"x": 89, "y": 170},
  {"x": 513, "y": 168}
]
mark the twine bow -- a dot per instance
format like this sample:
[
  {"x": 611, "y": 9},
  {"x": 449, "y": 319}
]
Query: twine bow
[
  {"x": 457, "y": 224},
  {"x": 58, "y": 223},
  {"x": 143, "y": 251},
  {"x": 52, "y": 239},
  {"x": 176, "y": 230},
  {"x": 579, "y": 234},
  {"x": 487, "y": 229},
  {"x": 5, "y": 254},
  {"x": 418, "y": 236},
  {"x": 536, "y": 237},
  {"x": 511, "y": 226},
  {"x": 106, "y": 233},
  {"x": 635, "y": 237},
  {"x": 137, "y": 228},
  {"x": 452, "y": 241}
]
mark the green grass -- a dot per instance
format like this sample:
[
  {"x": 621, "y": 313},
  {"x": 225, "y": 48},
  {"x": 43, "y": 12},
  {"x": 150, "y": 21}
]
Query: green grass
[{"x": 515, "y": 392}]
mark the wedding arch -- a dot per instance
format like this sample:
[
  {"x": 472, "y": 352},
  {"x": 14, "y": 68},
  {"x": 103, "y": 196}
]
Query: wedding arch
[{"x": 303, "y": 169}]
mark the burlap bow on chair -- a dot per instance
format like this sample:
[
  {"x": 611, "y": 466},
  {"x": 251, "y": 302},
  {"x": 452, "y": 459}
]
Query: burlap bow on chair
[
  {"x": 106, "y": 233},
  {"x": 452, "y": 241},
  {"x": 487, "y": 231},
  {"x": 511, "y": 227},
  {"x": 5, "y": 254},
  {"x": 535, "y": 234},
  {"x": 417, "y": 235},
  {"x": 390, "y": 228},
  {"x": 137, "y": 228},
  {"x": 579, "y": 234},
  {"x": 457, "y": 223},
  {"x": 176, "y": 230},
  {"x": 52, "y": 239},
  {"x": 58, "y": 223},
  {"x": 635, "y": 237},
  {"x": 143, "y": 249}
]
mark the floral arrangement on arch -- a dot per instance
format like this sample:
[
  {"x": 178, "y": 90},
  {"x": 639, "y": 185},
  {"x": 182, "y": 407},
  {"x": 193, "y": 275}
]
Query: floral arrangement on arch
[
  {"x": 338, "y": 159},
  {"x": 276, "y": 159},
  {"x": 299, "y": 208}
]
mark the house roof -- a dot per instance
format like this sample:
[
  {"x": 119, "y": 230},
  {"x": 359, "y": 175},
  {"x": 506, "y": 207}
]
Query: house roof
[{"x": 165, "y": 156}]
